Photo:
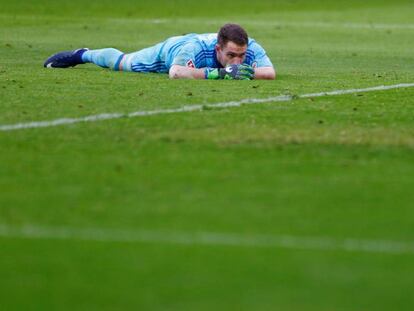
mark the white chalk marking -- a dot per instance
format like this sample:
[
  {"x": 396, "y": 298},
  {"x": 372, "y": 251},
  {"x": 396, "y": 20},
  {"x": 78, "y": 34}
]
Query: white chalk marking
[
  {"x": 143, "y": 113},
  {"x": 280, "y": 23},
  {"x": 206, "y": 238},
  {"x": 334, "y": 25},
  {"x": 217, "y": 22}
]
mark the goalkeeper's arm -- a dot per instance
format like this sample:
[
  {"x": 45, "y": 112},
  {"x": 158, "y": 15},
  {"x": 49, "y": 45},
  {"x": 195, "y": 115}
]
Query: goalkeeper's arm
[
  {"x": 183, "y": 72},
  {"x": 231, "y": 72},
  {"x": 264, "y": 73}
]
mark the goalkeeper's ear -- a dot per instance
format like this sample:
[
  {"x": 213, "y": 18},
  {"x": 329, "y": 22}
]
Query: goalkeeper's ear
[
  {"x": 219, "y": 54},
  {"x": 218, "y": 48}
]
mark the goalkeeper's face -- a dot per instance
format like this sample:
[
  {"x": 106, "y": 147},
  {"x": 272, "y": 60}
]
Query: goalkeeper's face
[{"x": 231, "y": 54}]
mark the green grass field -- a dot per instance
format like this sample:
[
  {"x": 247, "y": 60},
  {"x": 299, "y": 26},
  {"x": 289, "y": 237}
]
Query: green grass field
[{"x": 184, "y": 211}]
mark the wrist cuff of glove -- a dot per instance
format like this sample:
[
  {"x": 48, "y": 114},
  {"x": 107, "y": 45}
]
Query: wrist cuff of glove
[{"x": 211, "y": 73}]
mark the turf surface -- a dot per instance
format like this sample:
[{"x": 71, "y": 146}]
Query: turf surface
[{"x": 338, "y": 167}]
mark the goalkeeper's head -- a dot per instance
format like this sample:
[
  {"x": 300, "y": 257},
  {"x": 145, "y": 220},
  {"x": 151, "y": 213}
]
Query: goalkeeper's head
[{"x": 231, "y": 45}]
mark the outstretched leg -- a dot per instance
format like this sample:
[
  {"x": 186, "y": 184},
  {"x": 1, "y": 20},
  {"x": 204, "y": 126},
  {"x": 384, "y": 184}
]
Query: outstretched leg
[{"x": 107, "y": 58}]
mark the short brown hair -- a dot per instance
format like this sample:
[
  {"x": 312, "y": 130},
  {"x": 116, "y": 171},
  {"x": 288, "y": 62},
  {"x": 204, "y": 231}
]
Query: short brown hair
[{"x": 234, "y": 33}]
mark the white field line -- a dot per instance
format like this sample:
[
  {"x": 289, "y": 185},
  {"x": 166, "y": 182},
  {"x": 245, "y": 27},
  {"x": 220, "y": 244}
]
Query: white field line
[
  {"x": 37, "y": 232},
  {"x": 304, "y": 24},
  {"x": 262, "y": 22},
  {"x": 333, "y": 25},
  {"x": 350, "y": 25},
  {"x": 200, "y": 107}
]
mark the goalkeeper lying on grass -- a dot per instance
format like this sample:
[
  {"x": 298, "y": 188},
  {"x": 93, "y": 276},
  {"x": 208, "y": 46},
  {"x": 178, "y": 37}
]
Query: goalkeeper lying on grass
[{"x": 230, "y": 54}]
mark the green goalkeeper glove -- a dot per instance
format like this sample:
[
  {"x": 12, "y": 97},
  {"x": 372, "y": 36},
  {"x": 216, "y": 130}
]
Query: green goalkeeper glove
[{"x": 231, "y": 72}]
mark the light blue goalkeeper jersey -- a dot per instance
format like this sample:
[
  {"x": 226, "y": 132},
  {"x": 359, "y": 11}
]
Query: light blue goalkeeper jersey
[{"x": 191, "y": 50}]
